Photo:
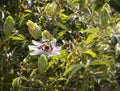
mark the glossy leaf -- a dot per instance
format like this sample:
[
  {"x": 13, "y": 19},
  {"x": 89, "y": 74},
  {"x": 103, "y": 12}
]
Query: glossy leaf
[
  {"x": 91, "y": 38},
  {"x": 91, "y": 53},
  {"x": 16, "y": 83},
  {"x": 18, "y": 37},
  {"x": 99, "y": 63},
  {"x": 72, "y": 70}
]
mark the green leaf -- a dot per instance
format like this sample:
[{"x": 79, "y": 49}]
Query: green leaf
[
  {"x": 42, "y": 63},
  {"x": 91, "y": 38},
  {"x": 92, "y": 30},
  {"x": 63, "y": 17},
  {"x": 99, "y": 63},
  {"x": 60, "y": 34},
  {"x": 16, "y": 82},
  {"x": 69, "y": 69},
  {"x": 18, "y": 37},
  {"x": 83, "y": 3},
  {"x": 61, "y": 25},
  {"x": 25, "y": 79},
  {"x": 90, "y": 52},
  {"x": 72, "y": 70},
  {"x": 33, "y": 73},
  {"x": 28, "y": 11}
]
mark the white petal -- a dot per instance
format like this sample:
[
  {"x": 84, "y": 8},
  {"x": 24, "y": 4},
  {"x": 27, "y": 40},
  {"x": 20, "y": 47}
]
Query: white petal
[
  {"x": 32, "y": 53},
  {"x": 58, "y": 48},
  {"x": 31, "y": 47},
  {"x": 55, "y": 52},
  {"x": 36, "y": 43},
  {"x": 58, "y": 53},
  {"x": 55, "y": 49}
]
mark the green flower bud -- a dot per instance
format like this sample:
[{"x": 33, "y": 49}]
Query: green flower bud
[
  {"x": 106, "y": 6},
  {"x": 42, "y": 63},
  {"x": 52, "y": 9},
  {"x": 105, "y": 16},
  {"x": 34, "y": 30},
  {"x": 46, "y": 36},
  {"x": 8, "y": 26}
]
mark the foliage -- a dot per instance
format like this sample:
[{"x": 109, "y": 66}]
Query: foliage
[{"x": 87, "y": 31}]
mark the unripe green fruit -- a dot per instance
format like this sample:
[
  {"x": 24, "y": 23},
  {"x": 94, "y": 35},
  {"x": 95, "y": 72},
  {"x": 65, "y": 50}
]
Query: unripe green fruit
[
  {"x": 42, "y": 63},
  {"x": 8, "y": 26}
]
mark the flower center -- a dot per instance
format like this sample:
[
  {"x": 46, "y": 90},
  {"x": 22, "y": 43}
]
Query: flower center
[{"x": 46, "y": 48}]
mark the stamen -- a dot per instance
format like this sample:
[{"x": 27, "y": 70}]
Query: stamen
[
  {"x": 40, "y": 47},
  {"x": 46, "y": 48}
]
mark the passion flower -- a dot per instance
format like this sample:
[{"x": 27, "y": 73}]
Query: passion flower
[{"x": 43, "y": 48}]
